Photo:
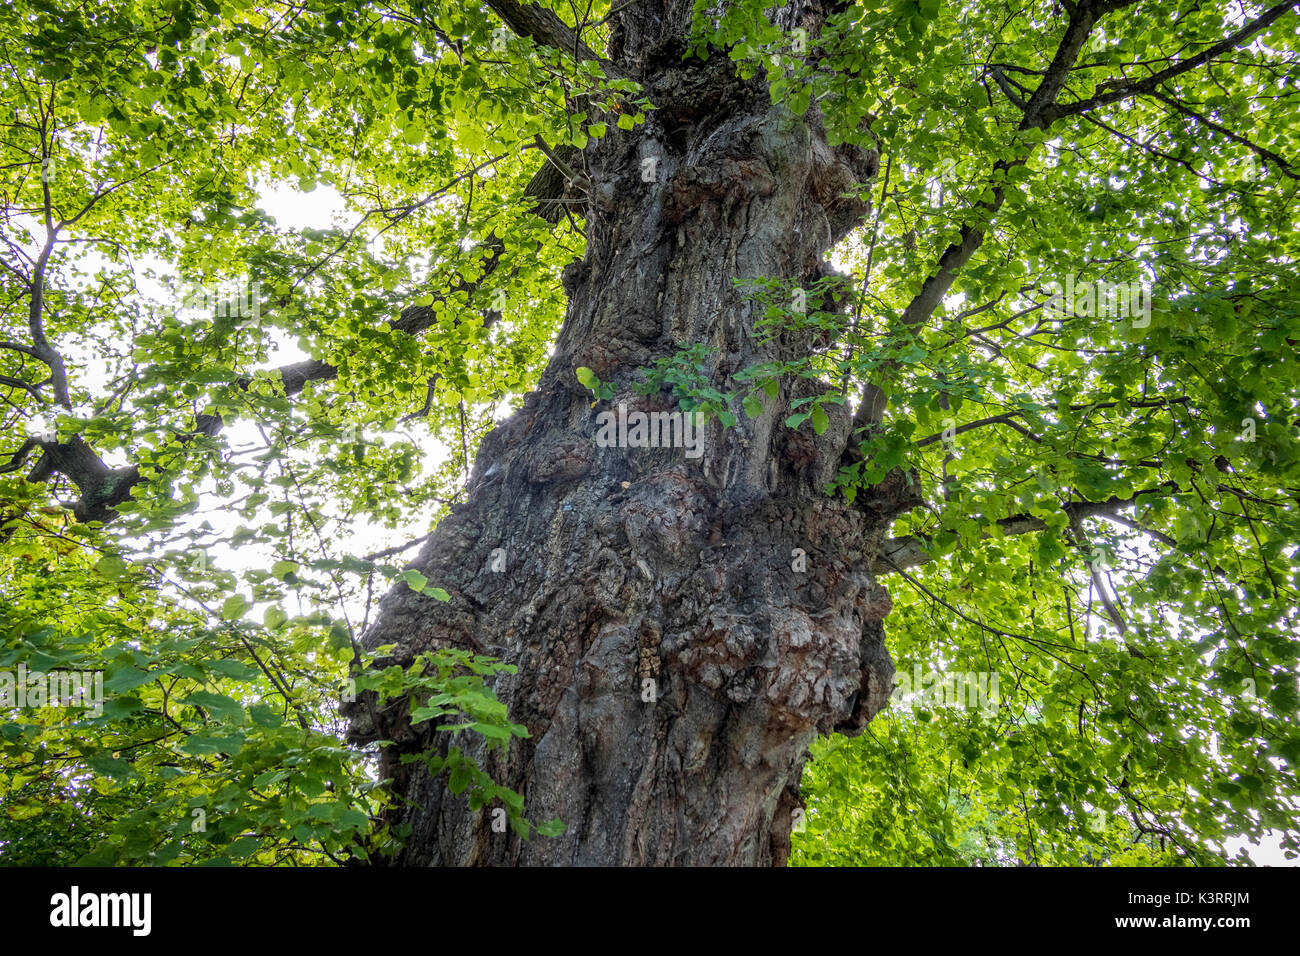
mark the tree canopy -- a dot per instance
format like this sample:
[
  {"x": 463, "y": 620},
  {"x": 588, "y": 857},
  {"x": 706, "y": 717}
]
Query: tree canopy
[{"x": 1072, "y": 316}]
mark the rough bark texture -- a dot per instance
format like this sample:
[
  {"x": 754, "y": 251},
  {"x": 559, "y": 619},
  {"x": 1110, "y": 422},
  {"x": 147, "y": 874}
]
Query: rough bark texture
[{"x": 622, "y": 565}]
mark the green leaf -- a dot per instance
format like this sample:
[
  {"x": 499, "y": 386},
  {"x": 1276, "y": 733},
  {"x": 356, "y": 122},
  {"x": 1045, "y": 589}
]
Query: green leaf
[
  {"x": 233, "y": 607},
  {"x": 119, "y": 680},
  {"x": 111, "y": 567},
  {"x": 819, "y": 419},
  {"x": 217, "y": 705},
  {"x": 243, "y": 847},
  {"x": 234, "y": 669},
  {"x": 551, "y": 828}
]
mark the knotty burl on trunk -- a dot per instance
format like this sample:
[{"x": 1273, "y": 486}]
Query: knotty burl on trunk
[{"x": 627, "y": 563}]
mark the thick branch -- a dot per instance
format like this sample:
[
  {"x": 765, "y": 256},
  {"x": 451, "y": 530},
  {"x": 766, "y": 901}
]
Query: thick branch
[
  {"x": 1040, "y": 112},
  {"x": 1282, "y": 165},
  {"x": 41, "y": 347},
  {"x": 910, "y": 551},
  {"x": 1005, "y": 417},
  {"x": 1082, "y": 18},
  {"x": 17, "y": 458},
  {"x": 1112, "y": 611},
  {"x": 1036, "y": 116},
  {"x": 1123, "y": 89},
  {"x": 101, "y": 487},
  {"x": 546, "y": 29}
]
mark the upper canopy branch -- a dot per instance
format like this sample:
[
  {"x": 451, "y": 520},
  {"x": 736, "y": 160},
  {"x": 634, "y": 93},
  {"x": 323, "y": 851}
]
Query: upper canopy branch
[
  {"x": 1005, "y": 417},
  {"x": 1040, "y": 111},
  {"x": 102, "y": 488},
  {"x": 1083, "y": 16},
  {"x": 910, "y": 551},
  {"x": 1122, "y": 89},
  {"x": 545, "y": 28},
  {"x": 1282, "y": 165}
]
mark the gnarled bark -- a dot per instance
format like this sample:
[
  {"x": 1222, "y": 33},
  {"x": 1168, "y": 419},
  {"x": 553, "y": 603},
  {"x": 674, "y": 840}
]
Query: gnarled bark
[{"x": 622, "y": 566}]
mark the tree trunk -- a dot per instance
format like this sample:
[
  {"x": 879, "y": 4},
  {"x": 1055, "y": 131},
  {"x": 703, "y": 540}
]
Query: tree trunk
[{"x": 675, "y": 654}]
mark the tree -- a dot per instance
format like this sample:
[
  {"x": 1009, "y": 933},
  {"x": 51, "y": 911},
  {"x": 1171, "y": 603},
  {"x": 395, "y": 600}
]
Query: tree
[{"x": 979, "y": 320}]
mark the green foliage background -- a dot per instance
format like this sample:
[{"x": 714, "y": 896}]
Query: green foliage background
[{"x": 224, "y": 605}]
